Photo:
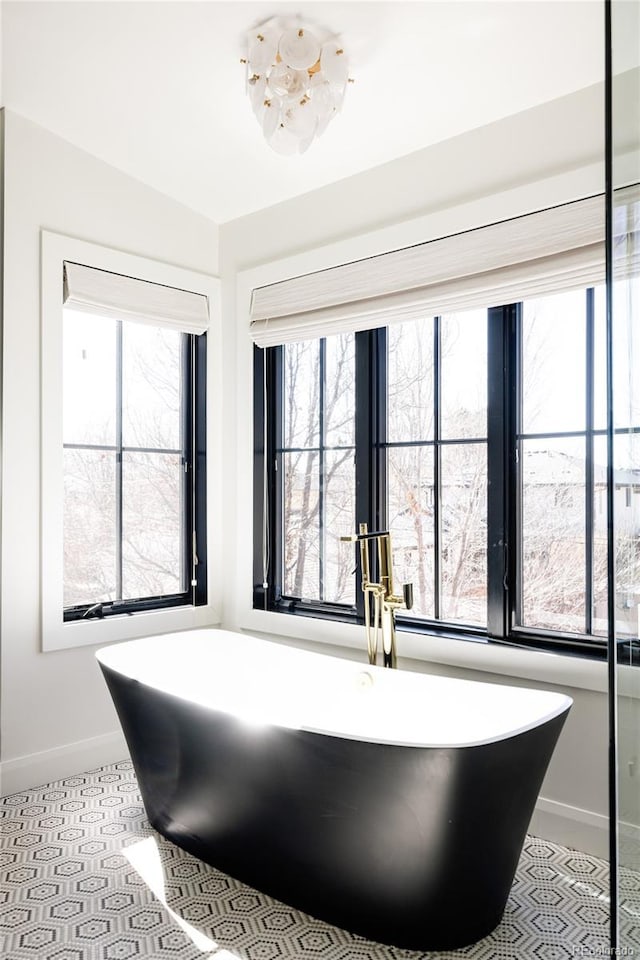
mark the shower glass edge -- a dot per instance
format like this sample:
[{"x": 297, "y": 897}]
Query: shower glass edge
[{"x": 622, "y": 110}]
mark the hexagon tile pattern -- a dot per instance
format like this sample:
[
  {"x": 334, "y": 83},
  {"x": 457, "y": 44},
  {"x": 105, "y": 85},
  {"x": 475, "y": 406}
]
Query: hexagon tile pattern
[{"x": 84, "y": 877}]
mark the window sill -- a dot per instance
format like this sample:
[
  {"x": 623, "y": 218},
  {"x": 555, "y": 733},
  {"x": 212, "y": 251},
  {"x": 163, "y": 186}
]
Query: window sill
[
  {"x": 469, "y": 653},
  {"x": 81, "y": 633}
]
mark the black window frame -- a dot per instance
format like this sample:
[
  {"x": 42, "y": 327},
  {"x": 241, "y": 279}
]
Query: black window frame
[
  {"x": 193, "y": 455},
  {"x": 504, "y": 505}
]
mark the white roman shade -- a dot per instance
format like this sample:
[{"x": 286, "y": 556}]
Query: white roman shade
[
  {"x": 125, "y": 298},
  {"x": 561, "y": 248},
  {"x": 626, "y": 232}
]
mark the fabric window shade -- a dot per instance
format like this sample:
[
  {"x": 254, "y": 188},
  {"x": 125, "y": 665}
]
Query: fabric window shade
[
  {"x": 113, "y": 295},
  {"x": 561, "y": 248},
  {"x": 626, "y": 232}
]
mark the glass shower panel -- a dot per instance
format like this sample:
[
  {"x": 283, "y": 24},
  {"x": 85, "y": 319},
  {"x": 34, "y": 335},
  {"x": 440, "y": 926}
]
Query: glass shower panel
[{"x": 624, "y": 258}]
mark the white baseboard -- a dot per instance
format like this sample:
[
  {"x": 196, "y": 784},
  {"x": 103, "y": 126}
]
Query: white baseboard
[
  {"x": 48, "y": 766},
  {"x": 571, "y": 827}
]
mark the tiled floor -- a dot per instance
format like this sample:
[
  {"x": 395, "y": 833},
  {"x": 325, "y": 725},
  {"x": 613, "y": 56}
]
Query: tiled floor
[{"x": 84, "y": 877}]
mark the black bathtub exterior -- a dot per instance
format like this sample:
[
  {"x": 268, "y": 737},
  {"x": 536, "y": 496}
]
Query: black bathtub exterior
[{"x": 411, "y": 846}]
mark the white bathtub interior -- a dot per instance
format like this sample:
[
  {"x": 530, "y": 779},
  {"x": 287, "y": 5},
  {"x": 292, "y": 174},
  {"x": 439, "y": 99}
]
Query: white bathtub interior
[{"x": 265, "y": 683}]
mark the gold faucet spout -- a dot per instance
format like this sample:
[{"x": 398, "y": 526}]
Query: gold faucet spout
[{"x": 385, "y": 601}]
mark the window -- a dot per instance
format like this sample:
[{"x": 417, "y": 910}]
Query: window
[
  {"x": 436, "y": 462},
  {"x": 561, "y": 447},
  {"x": 315, "y": 457},
  {"x": 478, "y": 438},
  {"x": 133, "y": 504},
  {"x": 130, "y": 445}
]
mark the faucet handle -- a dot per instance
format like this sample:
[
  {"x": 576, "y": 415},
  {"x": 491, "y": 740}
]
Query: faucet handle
[{"x": 407, "y": 592}]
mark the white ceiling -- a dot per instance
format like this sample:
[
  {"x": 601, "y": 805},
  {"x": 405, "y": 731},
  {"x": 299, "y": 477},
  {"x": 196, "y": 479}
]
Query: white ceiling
[{"x": 157, "y": 89}]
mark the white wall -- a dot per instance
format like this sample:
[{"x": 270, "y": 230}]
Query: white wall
[
  {"x": 516, "y": 152},
  {"x": 548, "y": 155},
  {"x": 56, "y": 717}
]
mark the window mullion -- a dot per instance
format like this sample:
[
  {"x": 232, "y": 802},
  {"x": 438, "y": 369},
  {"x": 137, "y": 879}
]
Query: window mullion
[
  {"x": 370, "y": 439},
  {"x": 322, "y": 373},
  {"x": 437, "y": 461},
  {"x": 275, "y": 472},
  {"x": 187, "y": 444},
  {"x": 119, "y": 463},
  {"x": 515, "y": 468},
  {"x": 263, "y": 479},
  {"x": 501, "y": 467},
  {"x": 364, "y": 463},
  {"x": 379, "y": 403},
  {"x": 198, "y": 397},
  {"x": 589, "y": 472}
]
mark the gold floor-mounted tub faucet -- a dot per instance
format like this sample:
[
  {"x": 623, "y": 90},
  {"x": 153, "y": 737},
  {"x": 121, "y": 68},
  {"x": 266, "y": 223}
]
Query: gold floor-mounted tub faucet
[{"x": 385, "y": 602}]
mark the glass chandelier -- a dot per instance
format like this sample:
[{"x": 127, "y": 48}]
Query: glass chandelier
[{"x": 296, "y": 81}]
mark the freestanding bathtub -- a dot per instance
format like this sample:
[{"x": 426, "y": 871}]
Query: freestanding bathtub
[{"x": 391, "y": 803}]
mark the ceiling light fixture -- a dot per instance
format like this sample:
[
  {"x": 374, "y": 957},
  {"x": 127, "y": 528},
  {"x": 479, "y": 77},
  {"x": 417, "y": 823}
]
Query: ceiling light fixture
[{"x": 296, "y": 81}]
